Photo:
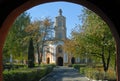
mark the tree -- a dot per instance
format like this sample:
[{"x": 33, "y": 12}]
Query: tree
[
  {"x": 98, "y": 35},
  {"x": 15, "y": 43},
  {"x": 31, "y": 54},
  {"x": 95, "y": 39},
  {"x": 75, "y": 45},
  {"x": 40, "y": 30}
]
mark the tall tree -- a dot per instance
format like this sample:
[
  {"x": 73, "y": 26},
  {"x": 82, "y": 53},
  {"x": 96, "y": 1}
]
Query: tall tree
[
  {"x": 94, "y": 38},
  {"x": 99, "y": 37},
  {"x": 39, "y": 30},
  {"x": 31, "y": 54},
  {"x": 15, "y": 43}
]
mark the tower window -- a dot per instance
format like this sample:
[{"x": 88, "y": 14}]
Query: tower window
[
  {"x": 59, "y": 23},
  {"x": 60, "y": 35}
]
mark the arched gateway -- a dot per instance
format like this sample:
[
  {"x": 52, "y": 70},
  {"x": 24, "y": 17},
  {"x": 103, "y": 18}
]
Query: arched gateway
[
  {"x": 60, "y": 61},
  {"x": 48, "y": 60},
  {"x": 73, "y": 60}
]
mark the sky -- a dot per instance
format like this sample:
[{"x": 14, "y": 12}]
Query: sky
[{"x": 70, "y": 10}]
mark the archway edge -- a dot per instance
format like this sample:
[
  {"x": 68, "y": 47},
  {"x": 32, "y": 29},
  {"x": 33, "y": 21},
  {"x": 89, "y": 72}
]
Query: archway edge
[{"x": 31, "y": 3}]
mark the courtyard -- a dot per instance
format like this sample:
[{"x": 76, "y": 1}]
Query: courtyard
[{"x": 63, "y": 73}]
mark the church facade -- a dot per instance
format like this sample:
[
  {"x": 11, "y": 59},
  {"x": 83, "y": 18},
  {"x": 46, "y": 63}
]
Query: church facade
[{"x": 53, "y": 52}]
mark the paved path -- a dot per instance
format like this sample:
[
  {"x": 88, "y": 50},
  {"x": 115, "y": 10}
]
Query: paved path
[{"x": 64, "y": 74}]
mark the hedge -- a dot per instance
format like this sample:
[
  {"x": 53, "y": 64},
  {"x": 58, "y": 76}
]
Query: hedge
[
  {"x": 34, "y": 74},
  {"x": 98, "y": 73},
  {"x": 77, "y": 66}
]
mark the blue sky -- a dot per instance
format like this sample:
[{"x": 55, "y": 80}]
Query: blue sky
[{"x": 70, "y": 10}]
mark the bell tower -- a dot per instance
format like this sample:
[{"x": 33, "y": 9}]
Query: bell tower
[{"x": 60, "y": 26}]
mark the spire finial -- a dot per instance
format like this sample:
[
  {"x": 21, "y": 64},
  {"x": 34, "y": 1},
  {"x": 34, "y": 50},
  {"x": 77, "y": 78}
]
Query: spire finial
[{"x": 60, "y": 11}]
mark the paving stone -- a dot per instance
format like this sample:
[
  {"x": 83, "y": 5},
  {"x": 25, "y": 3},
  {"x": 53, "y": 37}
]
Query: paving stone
[{"x": 65, "y": 74}]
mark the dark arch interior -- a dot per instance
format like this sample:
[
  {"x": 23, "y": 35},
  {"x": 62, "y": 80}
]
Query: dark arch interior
[
  {"x": 48, "y": 60},
  {"x": 60, "y": 61},
  {"x": 73, "y": 60}
]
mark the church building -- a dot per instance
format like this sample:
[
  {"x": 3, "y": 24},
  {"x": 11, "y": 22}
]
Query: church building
[{"x": 53, "y": 52}]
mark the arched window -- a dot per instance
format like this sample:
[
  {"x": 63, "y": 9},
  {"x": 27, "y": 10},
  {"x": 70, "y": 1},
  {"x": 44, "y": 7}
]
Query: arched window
[{"x": 59, "y": 49}]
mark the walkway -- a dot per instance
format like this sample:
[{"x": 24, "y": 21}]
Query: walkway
[{"x": 64, "y": 74}]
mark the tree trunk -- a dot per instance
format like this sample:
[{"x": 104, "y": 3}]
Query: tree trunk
[
  {"x": 108, "y": 59},
  {"x": 38, "y": 54},
  {"x": 103, "y": 59}
]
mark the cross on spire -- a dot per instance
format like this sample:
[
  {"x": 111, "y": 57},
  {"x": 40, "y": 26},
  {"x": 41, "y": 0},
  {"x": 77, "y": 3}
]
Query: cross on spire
[{"x": 60, "y": 11}]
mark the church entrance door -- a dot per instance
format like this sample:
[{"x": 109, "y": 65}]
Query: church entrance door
[
  {"x": 48, "y": 60},
  {"x": 73, "y": 60},
  {"x": 60, "y": 61}
]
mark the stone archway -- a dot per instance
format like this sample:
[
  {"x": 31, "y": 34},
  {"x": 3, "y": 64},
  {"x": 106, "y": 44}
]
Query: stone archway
[
  {"x": 101, "y": 8},
  {"x": 60, "y": 61}
]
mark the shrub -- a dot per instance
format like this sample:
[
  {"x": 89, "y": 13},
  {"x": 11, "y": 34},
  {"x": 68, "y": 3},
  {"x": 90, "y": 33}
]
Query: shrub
[
  {"x": 76, "y": 66},
  {"x": 69, "y": 65},
  {"x": 82, "y": 71},
  {"x": 13, "y": 66},
  {"x": 98, "y": 73},
  {"x": 34, "y": 74}
]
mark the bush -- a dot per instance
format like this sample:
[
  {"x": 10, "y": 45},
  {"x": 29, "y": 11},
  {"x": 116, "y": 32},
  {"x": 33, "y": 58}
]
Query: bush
[
  {"x": 34, "y": 74},
  {"x": 98, "y": 73},
  {"x": 13, "y": 66},
  {"x": 69, "y": 65},
  {"x": 76, "y": 66},
  {"x": 82, "y": 71}
]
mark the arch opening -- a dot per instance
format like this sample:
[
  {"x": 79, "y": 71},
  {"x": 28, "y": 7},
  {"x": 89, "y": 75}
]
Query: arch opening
[
  {"x": 73, "y": 60},
  {"x": 48, "y": 60},
  {"x": 60, "y": 61}
]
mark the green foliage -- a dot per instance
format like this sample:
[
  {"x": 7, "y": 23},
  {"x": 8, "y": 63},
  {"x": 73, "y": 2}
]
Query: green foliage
[
  {"x": 34, "y": 74},
  {"x": 98, "y": 73},
  {"x": 39, "y": 30},
  {"x": 76, "y": 66},
  {"x": 94, "y": 40},
  {"x": 19, "y": 76},
  {"x": 48, "y": 65},
  {"x": 13, "y": 66},
  {"x": 15, "y": 43},
  {"x": 31, "y": 54}
]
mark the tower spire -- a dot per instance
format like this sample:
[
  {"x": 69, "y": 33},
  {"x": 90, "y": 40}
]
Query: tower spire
[{"x": 60, "y": 12}]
